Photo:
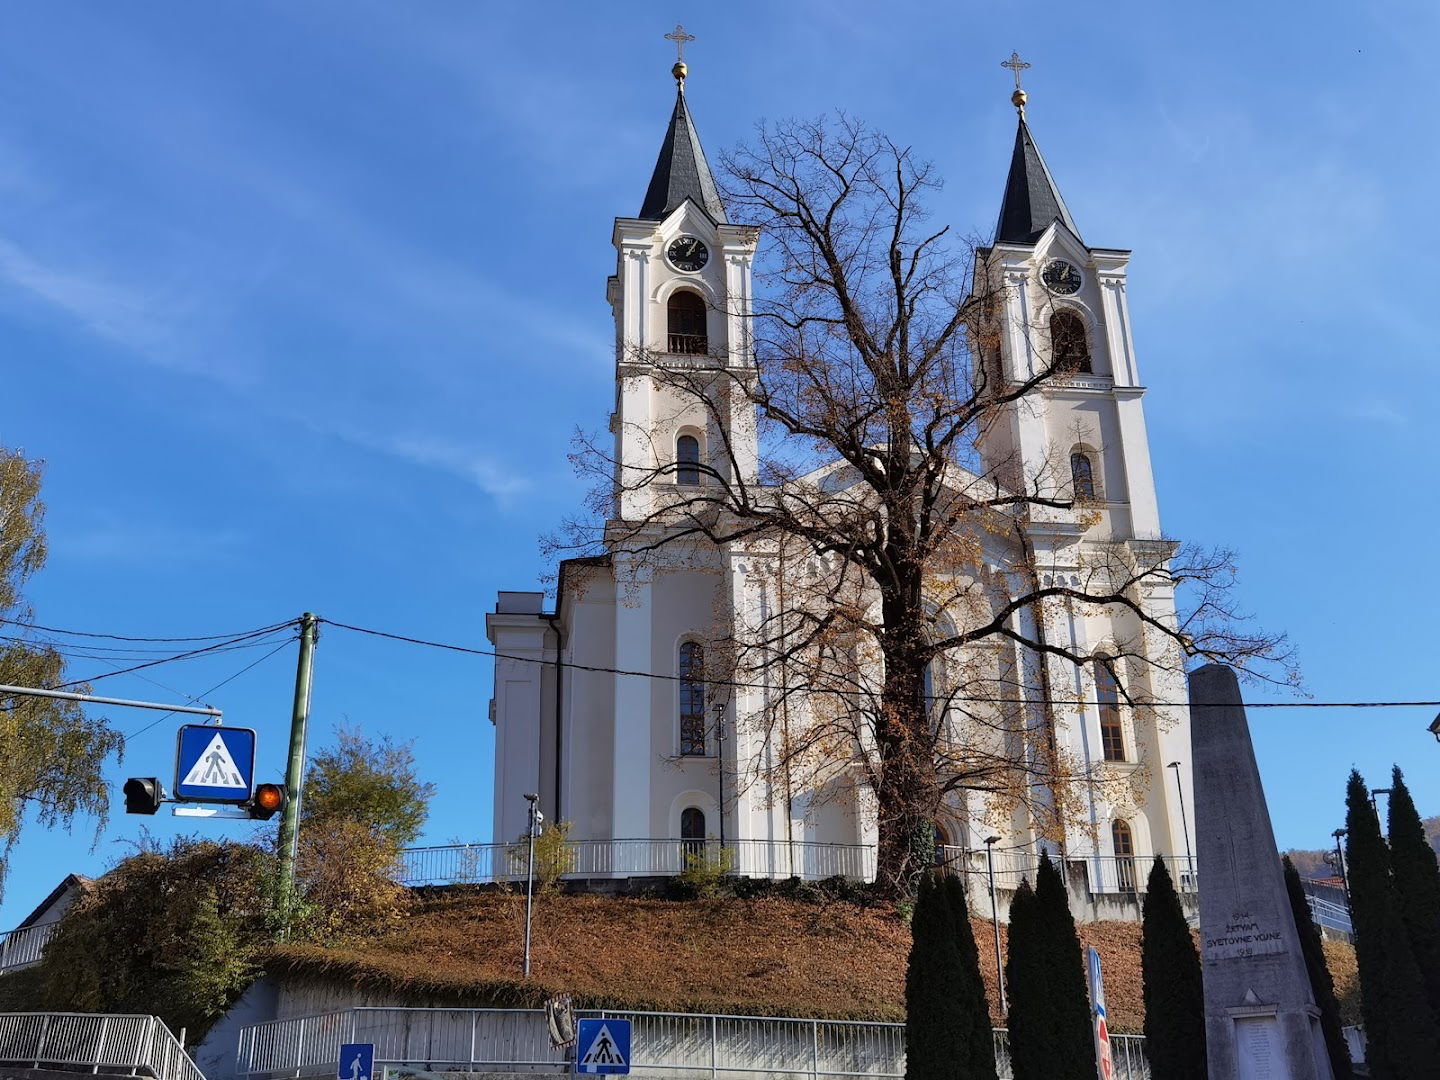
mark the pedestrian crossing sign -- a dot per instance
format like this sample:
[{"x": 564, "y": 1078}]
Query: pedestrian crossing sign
[
  {"x": 602, "y": 1046},
  {"x": 214, "y": 764}
]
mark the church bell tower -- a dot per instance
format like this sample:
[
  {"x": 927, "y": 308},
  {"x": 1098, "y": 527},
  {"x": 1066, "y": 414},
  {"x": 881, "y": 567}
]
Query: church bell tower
[
  {"x": 681, "y": 298},
  {"x": 1082, "y": 432}
]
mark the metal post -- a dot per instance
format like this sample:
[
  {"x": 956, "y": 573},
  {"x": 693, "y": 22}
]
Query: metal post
[
  {"x": 289, "y": 843},
  {"x": 990, "y": 841},
  {"x": 1184, "y": 825},
  {"x": 1340, "y": 865},
  {"x": 530, "y": 877}
]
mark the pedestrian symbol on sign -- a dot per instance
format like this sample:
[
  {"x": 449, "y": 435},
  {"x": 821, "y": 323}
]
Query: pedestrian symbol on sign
[
  {"x": 604, "y": 1046},
  {"x": 357, "y": 1061}
]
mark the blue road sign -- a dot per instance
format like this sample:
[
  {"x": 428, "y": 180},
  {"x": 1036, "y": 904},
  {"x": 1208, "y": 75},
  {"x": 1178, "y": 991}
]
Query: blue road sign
[
  {"x": 357, "y": 1061},
  {"x": 214, "y": 764},
  {"x": 602, "y": 1045}
]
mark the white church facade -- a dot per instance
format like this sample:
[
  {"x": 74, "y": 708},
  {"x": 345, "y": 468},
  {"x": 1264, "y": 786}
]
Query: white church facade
[{"x": 600, "y": 705}]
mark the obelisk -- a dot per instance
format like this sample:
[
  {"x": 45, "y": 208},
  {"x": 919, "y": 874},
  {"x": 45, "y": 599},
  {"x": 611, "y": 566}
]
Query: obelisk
[{"x": 1261, "y": 1022}]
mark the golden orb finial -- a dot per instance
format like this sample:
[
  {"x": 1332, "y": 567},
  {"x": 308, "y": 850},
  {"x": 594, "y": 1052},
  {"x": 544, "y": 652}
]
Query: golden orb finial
[
  {"x": 1018, "y": 98},
  {"x": 680, "y": 37}
]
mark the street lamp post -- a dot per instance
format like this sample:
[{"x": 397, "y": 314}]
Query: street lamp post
[
  {"x": 1184, "y": 824},
  {"x": 990, "y": 842},
  {"x": 1374, "y": 794},
  {"x": 1340, "y": 865},
  {"x": 535, "y": 819}
]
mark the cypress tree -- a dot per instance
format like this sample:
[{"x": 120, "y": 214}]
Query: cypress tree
[
  {"x": 934, "y": 1019},
  {"x": 1173, "y": 987},
  {"x": 1322, "y": 986},
  {"x": 1072, "y": 1051},
  {"x": 1026, "y": 982},
  {"x": 976, "y": 1032},
  {"x": 1417, "y": 885},
  {"x": 1400, "y": 1038}
]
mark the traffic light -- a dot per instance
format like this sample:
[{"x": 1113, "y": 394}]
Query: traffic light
[
  {"x": 268, "y": 800},
  {"x": 143, "y": 795}
]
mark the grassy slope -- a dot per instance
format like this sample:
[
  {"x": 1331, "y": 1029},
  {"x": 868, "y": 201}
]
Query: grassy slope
[{"x": 759, "y": 957}]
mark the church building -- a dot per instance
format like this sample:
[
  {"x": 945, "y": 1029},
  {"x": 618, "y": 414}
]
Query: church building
[{"x": 601, "y": 706}]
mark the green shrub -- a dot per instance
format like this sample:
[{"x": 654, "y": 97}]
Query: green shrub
[{"x": 704, "y": 873}]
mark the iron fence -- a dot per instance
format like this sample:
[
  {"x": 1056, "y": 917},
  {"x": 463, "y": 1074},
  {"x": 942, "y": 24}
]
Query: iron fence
[
  {"x": 458, "y": 864},
  {"x": 137, "y": 1045},
  {"x": 24, "y": 946},
  {"x": 1330, "y": 916},
  {"x": 1102, "y": 874},
  {"x": 517, "y": 1040}
]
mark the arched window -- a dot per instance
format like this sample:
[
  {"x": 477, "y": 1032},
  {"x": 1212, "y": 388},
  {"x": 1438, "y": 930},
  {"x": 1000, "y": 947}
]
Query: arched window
[
  {"x": 1068, "y": 344},
  {"x": 1124, "y": 845},
  {"x": 686, "y": 322},
  {"x": 943, "y": 851},
  {"x": 1082, "y": 475},
  {"x": 687, "y": 460},
  {"x": 692, "y": 830},
  {"x": 692, "y": 699},
  {"x": 1107, "y": 696}
]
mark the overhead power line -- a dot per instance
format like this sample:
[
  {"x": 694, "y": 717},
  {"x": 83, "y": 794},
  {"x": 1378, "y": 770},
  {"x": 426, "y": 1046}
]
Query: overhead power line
[
  {"x": 450, "y": 647},
  {"x": 245, "y": 641},
  {"x": 223, "y": 682},
  {"x": 123, "y": 637}
]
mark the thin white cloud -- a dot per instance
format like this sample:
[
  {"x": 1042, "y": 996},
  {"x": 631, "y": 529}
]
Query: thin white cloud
[
  {"x": 108, "y": 309},
  {"x": 151, "y": 543},
  {"x": 499, "y": 481}
]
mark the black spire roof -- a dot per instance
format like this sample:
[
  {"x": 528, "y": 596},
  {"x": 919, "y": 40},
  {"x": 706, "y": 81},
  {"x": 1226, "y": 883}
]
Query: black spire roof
[
  {"x": 1032, "y": 201},
  {"x": 681, "y": 172}
]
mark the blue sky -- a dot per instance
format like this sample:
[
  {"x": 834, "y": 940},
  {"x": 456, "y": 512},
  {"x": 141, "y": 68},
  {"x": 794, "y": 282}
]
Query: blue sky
[{"x": 302, "y": 303}]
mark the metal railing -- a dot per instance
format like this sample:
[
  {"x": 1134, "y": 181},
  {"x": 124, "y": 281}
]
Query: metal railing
[
  {"x": 689, "y": 344},
  {"x": 22, "y": 947},
  {"x": 459, "y": 864},
  {"x": 1102, "y": 873},
  {"x": 517, "y": 1040},
  {"x": 139, "y": 1045},
  {"x": 1330, "y": 916}
]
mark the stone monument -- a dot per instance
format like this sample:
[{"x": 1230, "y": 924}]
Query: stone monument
[{"x": 1261, "y": 1022}]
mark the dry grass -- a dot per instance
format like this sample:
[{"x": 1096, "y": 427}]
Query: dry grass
[{"x": 767, "y": 957}]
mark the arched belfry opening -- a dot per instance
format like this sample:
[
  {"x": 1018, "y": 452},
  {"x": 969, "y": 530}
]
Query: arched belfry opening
[
  {"x": 685, "y": 323},
  {"x": 1069, "y": 344}
]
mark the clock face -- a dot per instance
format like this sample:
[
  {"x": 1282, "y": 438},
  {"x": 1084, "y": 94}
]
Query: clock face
[
  {"x": 1060, "y": 277},
  {"x": 687, "y": 253}
]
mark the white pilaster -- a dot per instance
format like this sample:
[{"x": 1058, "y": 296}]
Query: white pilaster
[{"x": 634, "y": 702}]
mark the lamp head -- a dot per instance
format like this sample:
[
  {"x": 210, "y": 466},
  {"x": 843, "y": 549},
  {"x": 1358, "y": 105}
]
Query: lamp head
[
  {"x": 1173, "y": 765},
  {"x": 532, "y": 798},
  {"x": 1338, "y": 833},
  {"x": 991, "y": 840},
  {"x": 1435, "y": 727}
]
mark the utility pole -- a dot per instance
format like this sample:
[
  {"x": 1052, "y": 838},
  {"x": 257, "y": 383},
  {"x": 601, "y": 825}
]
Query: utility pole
[
  {"x": 990, "y": 842},
  {"x": 295, "y": 769},
  {"x": 535, "y": 819},
  {"x": 1184, "y": 825}
]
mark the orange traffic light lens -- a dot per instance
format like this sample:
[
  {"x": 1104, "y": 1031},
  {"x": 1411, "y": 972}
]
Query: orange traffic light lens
[{"x": 268, "y": 797}]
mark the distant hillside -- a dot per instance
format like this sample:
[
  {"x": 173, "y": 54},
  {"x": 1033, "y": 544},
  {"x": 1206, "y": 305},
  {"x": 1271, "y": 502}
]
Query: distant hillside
[
  {"x": 759, "y": 957},
  {"x": 1312, "y": 864}
]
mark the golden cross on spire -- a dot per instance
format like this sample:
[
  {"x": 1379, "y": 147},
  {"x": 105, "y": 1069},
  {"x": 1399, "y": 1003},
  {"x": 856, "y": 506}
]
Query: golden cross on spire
[
  {"x": 679, "y": 37},
  {"x": 1019, "y": 97}
]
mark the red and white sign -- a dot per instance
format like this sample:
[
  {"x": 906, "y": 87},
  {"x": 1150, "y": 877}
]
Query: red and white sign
[{"x": 1102, "y": 1049}]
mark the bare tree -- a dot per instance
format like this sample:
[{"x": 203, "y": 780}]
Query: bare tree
[{"x": 908, "y": 635}]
